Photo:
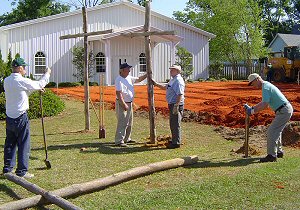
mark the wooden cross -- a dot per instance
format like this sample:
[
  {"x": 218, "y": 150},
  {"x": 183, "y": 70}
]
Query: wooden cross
[
  {"x": 147, "y": 33},
  {"x": 85, "y": 35}
]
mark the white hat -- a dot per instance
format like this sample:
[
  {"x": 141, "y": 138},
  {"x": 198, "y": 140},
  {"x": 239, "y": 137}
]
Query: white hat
[
  {"x": 252, "y": 77},
  {"x": 176, "y": 67}
]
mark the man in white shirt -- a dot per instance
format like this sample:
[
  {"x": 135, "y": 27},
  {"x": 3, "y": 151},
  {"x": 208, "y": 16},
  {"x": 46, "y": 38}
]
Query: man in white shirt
[
  {"x": 17, "y": 90},
  {"x": 125, "y": 95}
]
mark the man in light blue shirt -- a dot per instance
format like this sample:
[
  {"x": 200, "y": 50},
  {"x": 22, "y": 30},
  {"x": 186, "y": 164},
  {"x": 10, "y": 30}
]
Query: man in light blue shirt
[
  {"x": 17, "y": 90},
  {"x": 175, "y": 99},
  {"x": 271, "y": 96}
]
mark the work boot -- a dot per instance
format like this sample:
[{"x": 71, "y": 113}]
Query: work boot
[
  {"x": 279, "y": 154},
  {"x": 268, "y": 158},
  {"x": 173, "y": 146},
  {"x": 130, "y": 141}
]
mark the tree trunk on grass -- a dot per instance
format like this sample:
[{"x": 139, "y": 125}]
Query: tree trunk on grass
[
  {"x": 102, "y": 183},
  {"x": 40, "y": 191}
]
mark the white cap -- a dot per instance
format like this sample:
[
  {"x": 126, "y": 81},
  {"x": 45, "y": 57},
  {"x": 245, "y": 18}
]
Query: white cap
[
  {"x": 252, "y": 77},
  {"x": 176, "y": 67}
]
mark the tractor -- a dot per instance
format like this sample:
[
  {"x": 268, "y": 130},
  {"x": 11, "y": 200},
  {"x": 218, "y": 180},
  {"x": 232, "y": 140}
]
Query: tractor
[{"x": 285, "y": 68}]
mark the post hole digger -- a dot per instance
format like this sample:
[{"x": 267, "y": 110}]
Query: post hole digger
[
  {"x": 100, "y": 116},
  {"x": 101, "y": 108},
  {"x": 47, "y": 162}
]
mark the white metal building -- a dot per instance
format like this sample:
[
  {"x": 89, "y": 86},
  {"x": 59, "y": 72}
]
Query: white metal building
[{"x": 37, "y": 41}]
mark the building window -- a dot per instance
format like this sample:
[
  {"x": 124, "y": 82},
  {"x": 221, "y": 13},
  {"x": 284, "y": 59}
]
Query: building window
[
  {"x": 142, "y": 62},
  {"x": 100, "y": 62},
  {"x": 39, "y": 63}
]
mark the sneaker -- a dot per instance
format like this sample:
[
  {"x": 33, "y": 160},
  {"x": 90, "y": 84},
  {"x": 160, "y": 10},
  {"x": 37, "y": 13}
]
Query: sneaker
[
  {"x": 279, "y": 154},
  {"x": 28, "y": 175},
  {"x": 131, "y": 141},
  {"x": 122, "y": 145},
  {"x": 268, "y": 158},
  {"x": 173, "y": 146}
]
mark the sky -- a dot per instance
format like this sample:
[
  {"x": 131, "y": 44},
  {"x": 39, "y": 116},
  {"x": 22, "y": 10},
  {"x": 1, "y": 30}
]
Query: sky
[{"x": 165, "y": 7}]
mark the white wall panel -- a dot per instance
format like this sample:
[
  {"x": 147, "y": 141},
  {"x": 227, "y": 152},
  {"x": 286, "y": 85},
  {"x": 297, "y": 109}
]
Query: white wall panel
[{"x": 43, "y": 35}]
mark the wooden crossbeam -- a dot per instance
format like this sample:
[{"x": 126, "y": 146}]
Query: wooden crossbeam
[
  {"x": 70, "y": 36},
  {"x": 149, "y": 33}
]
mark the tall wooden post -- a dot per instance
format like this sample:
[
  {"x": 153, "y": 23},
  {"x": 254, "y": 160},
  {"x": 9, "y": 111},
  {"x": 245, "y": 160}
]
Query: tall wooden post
[
  {"x": 149, "y": 74},
  {"x": 86, "y": 72},
  {"x": 85, "y": 36}
]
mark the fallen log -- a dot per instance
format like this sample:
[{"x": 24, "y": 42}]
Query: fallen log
[
  {"x": 102, "y": 183},
  {"x": 40, "y": 191}
]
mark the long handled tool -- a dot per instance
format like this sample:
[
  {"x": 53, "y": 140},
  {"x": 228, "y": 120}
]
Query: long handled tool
[
  {"x": 47, "y": 162},
  {"x": 246, "y": 144},
  {"x": 101, "y": 108}
]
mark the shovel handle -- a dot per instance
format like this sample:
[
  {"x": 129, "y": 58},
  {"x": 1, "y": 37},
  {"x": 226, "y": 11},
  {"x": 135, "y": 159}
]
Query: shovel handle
[
  {"x": 43, "y": 126},
  {"x": 246, "y": 144}
]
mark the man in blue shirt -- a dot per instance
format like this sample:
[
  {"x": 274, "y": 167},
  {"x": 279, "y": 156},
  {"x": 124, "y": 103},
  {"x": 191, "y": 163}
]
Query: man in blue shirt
[
  {"x": 175, "y": 99},
  {"x": 271, "y": 96}
]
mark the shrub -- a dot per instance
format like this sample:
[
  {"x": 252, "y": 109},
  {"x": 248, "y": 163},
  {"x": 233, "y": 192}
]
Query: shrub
[
  {"x": 93, "y": 84},
  {"x": 200, "y": 79},
  {"x": 190, "y": 81},
  {"x": 52, "y": 105},
  {"x": 51, "y": 84},
  {"x": 223, "y": 80},
  {"x": 211, "y": 79},
  {"x": 90, "y": 83},
  {"x": 2, "y": 106},
  {"x": 69, "y": 84}
]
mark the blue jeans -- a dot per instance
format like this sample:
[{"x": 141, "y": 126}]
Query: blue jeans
[{"x": 17, "y": 135}]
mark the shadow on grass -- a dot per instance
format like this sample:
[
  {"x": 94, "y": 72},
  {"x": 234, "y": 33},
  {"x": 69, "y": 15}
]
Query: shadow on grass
[
  {"x": 232, "y": 163},
  {"x": 9, "y": 191},
  {"x": 104, "y": 148}
]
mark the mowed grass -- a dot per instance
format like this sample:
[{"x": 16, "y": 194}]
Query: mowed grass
[{"x": 220, "y": 180}]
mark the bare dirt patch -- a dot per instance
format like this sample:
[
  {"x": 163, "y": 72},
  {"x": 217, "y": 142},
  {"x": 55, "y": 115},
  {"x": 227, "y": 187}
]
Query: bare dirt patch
[{"x": 213, "y": 103}]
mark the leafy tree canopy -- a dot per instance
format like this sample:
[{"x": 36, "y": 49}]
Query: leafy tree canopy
[
  {"x": 279, "y": 16},
  {"x": 32, "y": 9},
  {"x": 236, "y": 24}
]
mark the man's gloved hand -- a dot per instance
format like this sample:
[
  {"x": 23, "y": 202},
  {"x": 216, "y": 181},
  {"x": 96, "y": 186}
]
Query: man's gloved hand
[
  {"x": 249, "y": 109},
  {"x": 48, "y": 70},
  {"x": 175, "y": 109}
]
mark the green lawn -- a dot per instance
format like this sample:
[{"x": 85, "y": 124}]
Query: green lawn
[{"x": 220, "y": 180}]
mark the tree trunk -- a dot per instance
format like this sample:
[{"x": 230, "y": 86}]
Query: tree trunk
[
  {"x": 86, "y": 73},
  {"x": 40, "y": 191},
  {"x": 149, "y": 75},
  {"x": 100, "y": 184}
]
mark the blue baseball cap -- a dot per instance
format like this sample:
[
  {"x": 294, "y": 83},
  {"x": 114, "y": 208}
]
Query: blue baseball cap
[{"x": 125, "y": 65}]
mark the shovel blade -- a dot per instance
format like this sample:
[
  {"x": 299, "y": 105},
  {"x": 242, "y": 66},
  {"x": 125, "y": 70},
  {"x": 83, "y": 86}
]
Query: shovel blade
[
  {"x": 48, "y": 164},
  {"x": 102, "y": 133}
]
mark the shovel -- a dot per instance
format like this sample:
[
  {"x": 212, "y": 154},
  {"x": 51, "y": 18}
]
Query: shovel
[
  {"x": 47, "y": 162},
  {"x": 246, "y": 144}
]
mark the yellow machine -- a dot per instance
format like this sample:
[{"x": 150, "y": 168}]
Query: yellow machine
[{"x": 285, "y": 68}]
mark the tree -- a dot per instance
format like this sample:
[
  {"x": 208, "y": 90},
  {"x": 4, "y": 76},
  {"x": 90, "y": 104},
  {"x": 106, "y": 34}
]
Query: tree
[
  {"x": 32, "y": 9},
  {"x": 92, "y": 3},
  {"x": 279, "y": 16},
  {"x": 184, "y": 59},
  {"x": 78, "y": 53},
  {"x": 236, "y": 24}
]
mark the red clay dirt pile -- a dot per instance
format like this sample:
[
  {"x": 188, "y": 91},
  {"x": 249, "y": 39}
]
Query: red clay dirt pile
[{"x": 213, "y": 103}]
